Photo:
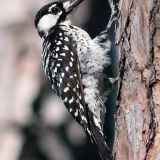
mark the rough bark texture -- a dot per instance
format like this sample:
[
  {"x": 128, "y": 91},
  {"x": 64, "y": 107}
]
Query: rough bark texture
[{"x": 138, "y": 110}]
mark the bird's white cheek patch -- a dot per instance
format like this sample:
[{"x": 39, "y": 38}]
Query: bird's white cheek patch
[{"x": 47, "y": 22}]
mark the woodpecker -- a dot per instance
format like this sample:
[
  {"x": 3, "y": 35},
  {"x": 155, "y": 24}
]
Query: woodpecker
[{"x": 74, "y": 64}]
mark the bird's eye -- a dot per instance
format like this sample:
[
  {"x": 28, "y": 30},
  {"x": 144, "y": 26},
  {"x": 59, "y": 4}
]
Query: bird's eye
[{"x": 55, "y": 10}]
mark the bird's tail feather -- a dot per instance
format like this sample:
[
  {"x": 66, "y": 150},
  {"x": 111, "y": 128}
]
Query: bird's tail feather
[{"x": 99, "y": 140}]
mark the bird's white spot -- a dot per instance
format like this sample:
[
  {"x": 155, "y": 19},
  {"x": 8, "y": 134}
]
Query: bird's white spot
[
  {"x": 70, "y": 110},
  {"x": 77, "y": 100},
  {"x": 71, "y": 100},
  {"x": 66, "y": 89},
  {"x": 72, "y": 53},
  {"x": 67, "y": 68},
  {"x": 60, "y": 34},
  {"x": 72, "y": 59},
  {"x": 62, "y": 75},
  {"x": 62, "y": 54},
  {"x": 59, "y": 42},
  {"x": 56, "y": 56},
  {"x": 76, "y": 113},
  {"x": 60, "y": 80},
  {"x": 66, "y": 48},
  {"x": 71, "y": 64},
  {"x": 66, "y": 39},
  {"x": 68, "y": 84},
  {"x": 60, "y": 59},
  {"x": 58, "y": 65},
  {"x": 71, "y": 76},
  {"x": 84, "y": 118},
  {"x": 55, "y": 69},
  {"x": 75, "y": 75},
  {"x": 81, "y": 107},
  {"x": 66, "y": 99},
  {"x": 77, "y": 86},
  {"x": 57, "y": 48}
]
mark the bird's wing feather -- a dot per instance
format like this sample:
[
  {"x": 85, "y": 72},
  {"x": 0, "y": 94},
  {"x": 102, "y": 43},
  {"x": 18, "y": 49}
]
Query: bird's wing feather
[{"x": 66, "y": 81}]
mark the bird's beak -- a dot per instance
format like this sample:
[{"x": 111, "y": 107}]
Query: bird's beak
[{"x": 69, "y": 6}]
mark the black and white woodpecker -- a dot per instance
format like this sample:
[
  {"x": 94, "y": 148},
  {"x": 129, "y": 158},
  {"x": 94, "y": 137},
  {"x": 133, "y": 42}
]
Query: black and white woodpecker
[{"x": 74, "y": 64}]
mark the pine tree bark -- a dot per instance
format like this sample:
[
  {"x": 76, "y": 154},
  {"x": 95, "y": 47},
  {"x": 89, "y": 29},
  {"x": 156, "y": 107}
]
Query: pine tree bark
[{"x": 138, "y": 109}]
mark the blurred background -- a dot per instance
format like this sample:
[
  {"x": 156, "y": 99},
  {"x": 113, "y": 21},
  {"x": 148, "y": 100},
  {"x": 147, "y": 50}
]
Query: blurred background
[{"x": 34, "y": 124}]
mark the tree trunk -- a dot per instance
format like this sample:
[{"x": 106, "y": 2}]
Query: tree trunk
[{"x": 138, "y": 109}]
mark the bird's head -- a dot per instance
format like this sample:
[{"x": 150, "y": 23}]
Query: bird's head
[{"x": 49, "y": 16}]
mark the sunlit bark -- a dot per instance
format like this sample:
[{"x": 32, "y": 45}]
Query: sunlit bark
[{"x": 138, "y": 109}]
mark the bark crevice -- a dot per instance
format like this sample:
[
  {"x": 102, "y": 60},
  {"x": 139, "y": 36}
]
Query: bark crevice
[{"x": 152, "y": 81}]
